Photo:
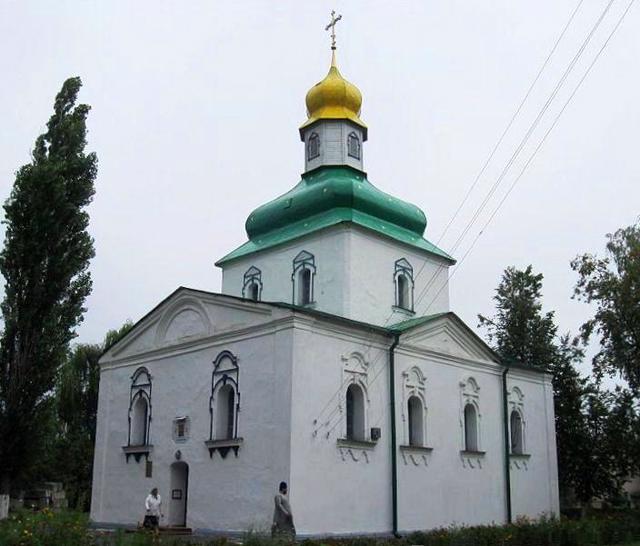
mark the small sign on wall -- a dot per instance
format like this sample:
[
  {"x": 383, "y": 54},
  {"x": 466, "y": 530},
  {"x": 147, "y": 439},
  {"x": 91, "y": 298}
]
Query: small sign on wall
[{"x": 176, "y": 494}]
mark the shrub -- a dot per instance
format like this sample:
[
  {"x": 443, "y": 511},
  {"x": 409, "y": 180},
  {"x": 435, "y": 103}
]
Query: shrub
[{"x": 45, "y": 528}]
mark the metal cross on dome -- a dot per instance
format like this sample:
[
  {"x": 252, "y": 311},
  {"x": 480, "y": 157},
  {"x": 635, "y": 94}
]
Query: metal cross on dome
[{"x": 332, "y": 26}]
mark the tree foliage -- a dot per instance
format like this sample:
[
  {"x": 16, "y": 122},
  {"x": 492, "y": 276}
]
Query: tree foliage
[
  {"x": 76, "y": 407},
  {"x": 596, "y": 429},
  {"x": 572, "y": 439},
  {"x": 45, "y": 263},
  {"x": 611, "y": 456},
  {"x": 612, "y": 284},
  {"x": 520, "y": 332}
]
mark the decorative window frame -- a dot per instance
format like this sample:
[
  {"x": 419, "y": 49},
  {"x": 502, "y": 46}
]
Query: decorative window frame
[
  {"x": 354, "y": 146},
  {"x": 313, "y": 146},
  {"x": 253, "y": 275},
  {"x": 303, "y": 260},
  {"x": 141, "y": 386},
  {"x": 404, "y": 268},
  {"x": 220, "y": 377},
  {"x": 515, "y": 402},
  {"x": 470, "y": 394},
  {"x": 414, "y": 383},
  {"x": 355, "y": 371}
]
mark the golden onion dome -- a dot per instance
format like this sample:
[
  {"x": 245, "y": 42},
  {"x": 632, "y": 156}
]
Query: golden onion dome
[{"x": 334, "y": 98}]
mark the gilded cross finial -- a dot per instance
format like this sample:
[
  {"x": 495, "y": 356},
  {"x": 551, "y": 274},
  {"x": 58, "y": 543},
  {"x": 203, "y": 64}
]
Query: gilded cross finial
[{"x": 332, "y": 26}]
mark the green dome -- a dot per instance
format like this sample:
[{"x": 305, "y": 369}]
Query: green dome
[
  {"x": 329, "y": 188},
  {"x": 328, "y": 196}
]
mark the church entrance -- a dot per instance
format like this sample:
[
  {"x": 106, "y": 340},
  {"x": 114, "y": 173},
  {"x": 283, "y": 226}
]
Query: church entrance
[{"x": 179, "y": 491}]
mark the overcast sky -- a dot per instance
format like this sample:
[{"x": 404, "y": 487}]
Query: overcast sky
[{"x": 196, "y": 106}]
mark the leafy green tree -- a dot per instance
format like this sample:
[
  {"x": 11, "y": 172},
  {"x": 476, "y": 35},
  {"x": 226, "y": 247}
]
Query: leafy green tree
[
  {"x": 594, "y": 427},
  {"x": 520, "y": 332},
  {"x": 610, "y": 457},
  {"x": 612, "y": 284},
  {"x": 572, "y": 437},
  {"x": 45, "y": 264},
  {"x": 76, "y": 411}
]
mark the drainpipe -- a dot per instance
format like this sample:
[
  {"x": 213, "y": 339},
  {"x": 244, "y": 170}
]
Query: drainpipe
[
  {"x": 394, "y": 460},
  {"x": 507, "y": 468}
]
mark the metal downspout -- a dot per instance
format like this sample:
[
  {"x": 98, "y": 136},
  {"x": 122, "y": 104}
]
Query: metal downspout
[
  {"x": 394, "y": 460},
  {"x": 507, "y": 468}
]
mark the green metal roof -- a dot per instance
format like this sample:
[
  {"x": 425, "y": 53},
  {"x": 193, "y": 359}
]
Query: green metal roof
[
  {"x": 329, "y": 196},
  {"x": 412, "y": 323}
]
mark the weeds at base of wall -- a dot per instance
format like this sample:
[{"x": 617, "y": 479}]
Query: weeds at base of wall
[
  {"x": 48, "y": 528},
  {"x": 604, "y": 530}
]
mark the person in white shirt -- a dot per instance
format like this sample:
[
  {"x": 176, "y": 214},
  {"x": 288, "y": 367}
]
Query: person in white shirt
[{"x": 153, "y": 505}]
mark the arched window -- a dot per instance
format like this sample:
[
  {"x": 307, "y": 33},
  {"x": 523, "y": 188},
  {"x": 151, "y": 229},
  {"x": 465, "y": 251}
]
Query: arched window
[
  {"x": 313, "y": 146},
  {"x": 225, "y": 413},
  {"x": 414, "y": 407},
  {"x": 416, "y": 421},
  {"x": 403, "y": 291},
  {"x": 470, "y": 428},
  {"x": 140, "y": 408},
  {"x": 139, "y": 420},
  {"x": 224, "y": 402},
  {"x": 304, "y": 286},
  {"x": 355, "y": 413},
  {"x": 252, "y": 284},
  {"x": 403, "y": 277},
  {"x": 303, "y": 275},
  {"x": 254, "y": 291},
  {"x": 515, "y": 422},
  {"x": 353, "y": 145}
]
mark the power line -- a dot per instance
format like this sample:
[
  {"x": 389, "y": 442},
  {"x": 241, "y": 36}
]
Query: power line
[
  {"x": 535, "y": 152},
  {"x": 524, "y": 168},
  {"x": 531, "y": 157},
  {"x": 504, "y": 132},
  {"x": 525, "y": 139},
  {"x": 537, "y": 149},
  {"x": 521, "y": 145},
  {"x": 513, "y": 117}
]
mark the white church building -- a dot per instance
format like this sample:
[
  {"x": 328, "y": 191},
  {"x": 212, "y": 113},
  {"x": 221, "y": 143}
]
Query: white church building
[{"x": 330, "y": 360}]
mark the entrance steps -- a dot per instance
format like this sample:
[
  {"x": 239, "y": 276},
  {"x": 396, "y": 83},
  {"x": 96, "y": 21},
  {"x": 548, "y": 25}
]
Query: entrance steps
[{"x": 165, "y": 530}]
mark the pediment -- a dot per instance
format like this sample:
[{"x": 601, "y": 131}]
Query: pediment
[
  {"x": 186, "y": 316},
  {"x": 449, "y": 336}
]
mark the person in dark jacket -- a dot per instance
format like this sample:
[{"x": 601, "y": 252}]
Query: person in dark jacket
[{"x": 282, "y": 526}]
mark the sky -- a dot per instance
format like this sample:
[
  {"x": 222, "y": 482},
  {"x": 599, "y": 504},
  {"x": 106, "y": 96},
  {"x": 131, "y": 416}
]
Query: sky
[{"x": 196, "y": 108}]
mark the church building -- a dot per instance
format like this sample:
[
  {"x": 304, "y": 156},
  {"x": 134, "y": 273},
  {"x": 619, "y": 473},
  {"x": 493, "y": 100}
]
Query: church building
[{"x": 330, "y": 360}]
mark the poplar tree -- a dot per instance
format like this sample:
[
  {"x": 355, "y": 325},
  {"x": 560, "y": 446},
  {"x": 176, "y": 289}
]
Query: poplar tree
[{"x": 45, "y": 264}]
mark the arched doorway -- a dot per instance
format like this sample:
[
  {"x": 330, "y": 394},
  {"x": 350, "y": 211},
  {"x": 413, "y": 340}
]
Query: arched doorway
[{"x": 178, "y": 494}]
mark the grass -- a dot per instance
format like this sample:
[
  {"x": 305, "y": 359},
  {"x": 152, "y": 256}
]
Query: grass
[{"x": 47, "y": 528}]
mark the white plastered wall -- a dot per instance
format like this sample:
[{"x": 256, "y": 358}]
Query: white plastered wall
[
  {"x": 328, "y": 248},
  {"x": 333, "y": 135},
  {"x": 534, "y": 477},
  {"x": 230, "y": 494},
  {"x": 294, "y": 371},
  {"x": 338, "y": 490},
  {"x": 354, "y": 275},
  {"x": 445, "y": 487},
  {"x": 372, "y": 261}
]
